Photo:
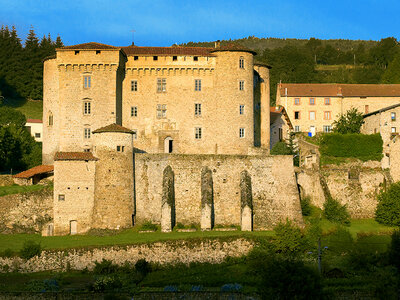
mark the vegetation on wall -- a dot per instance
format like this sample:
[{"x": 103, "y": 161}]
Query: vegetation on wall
[{"x": 388, "y": 208}]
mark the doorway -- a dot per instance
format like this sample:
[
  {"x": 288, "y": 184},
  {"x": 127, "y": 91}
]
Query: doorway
[
  {"x": 168, "y": 145},
  {"x": 73, "y": 227}
]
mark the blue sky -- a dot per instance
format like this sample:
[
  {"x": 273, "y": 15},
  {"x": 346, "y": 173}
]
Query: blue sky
[{"x": 163, "y": 23}]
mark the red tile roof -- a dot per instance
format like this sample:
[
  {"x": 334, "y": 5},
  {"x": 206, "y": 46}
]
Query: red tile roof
[
  {"x": 89, "y": 46},
  {"x": 177, "y": 50},
  {"x": 35, "y": 171},
  {"x": 74, "y": 156},
  {"x": 34, "y": 121},
  {"x": 113, "y": 128},
  {"x": 338, "y": 90}
]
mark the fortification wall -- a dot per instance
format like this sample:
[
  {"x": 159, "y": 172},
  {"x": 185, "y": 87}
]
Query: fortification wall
[{"x": 274, "y": 191}]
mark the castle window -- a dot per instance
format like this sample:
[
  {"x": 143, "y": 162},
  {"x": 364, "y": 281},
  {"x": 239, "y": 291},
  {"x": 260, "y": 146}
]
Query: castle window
[
  {"x": 393, "y": 129},
  {"x": 393, "y": 116},
  {"x": 197, "y": 133},
  {"x": 136, "y": 58},
  {"x": 134, "y": 135},
  {"x": 98, "y": 51},
  {"x": 120, "y": 148},
  {"x": 297, "y": 115},
  {"x": 87, "y": 81},
  {"x": 134, "y": 85},
  {"x": 297, "y": 128},
  {"x": 134, "y": 111},
  {"x": 241, "y": 85},
  {"x": 197, "y": 109},
  {"x": 86, "y": 150},
  {"x": 174, "y": 58},
  {"x": 155, "y": 57},
  {"x": 241, "y": 132},
  {"x": 312, "y": 101},
  {"x": 61, "y": 197},
  {"x": 241, "y": 109},
  {"x": 195, "y": 58},
  {"x": 161, "y": 85},
  {"x": 312, "y": 115},
  {"x": 87, "y": 108},
  {"x": 327, "y": 128},
  {"x": 86, "y": 133},
  {"x": 296, "y": 101},
  {"x": 327, "y": 101},
  {"x": 327, "y": 115},
  {"x": 161, "y": 111},
  {"x": 241, "y": 62},
  {"x": 197, "y": 85},
  {"x": 50, "y": 118}
]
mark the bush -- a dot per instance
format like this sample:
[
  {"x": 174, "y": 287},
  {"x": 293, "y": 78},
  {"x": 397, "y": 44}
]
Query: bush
[
  {"x": 306, "y": 208},
  {"x": 107, "y": 283},
  {"x": 143, "y": 267},
  {"x": 30, "y": 249},
  {"x": 336, "y": 213},
  {"x": 281, "y": 148},
  {"x": 388, "y": 208},
  {"x": 105, "y": 267},
  {"x": 361, "y": 146},
  {"x": 289, "y": 239},
  {"x": 394, "y": 250}
]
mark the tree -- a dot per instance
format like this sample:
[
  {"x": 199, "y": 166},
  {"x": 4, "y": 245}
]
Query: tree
[
  {"x": 388, "y": 208},
  {"x": 10, "y": 116},
  {"x": 350, "y": 122},
  {"x": 392, "y": 73}
]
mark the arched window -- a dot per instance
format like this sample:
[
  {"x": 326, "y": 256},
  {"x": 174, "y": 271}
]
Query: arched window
[
  {"x": 50, "y": 118},
  {"x": 241, "y": 62}
]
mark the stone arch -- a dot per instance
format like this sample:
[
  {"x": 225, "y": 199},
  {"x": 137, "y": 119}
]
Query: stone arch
[
  {"x": 246, "y": 201},
  {"x": 207, "y": 199},
  {"x": 168, "y": 144},
  {"x": 168, "y": 200}
]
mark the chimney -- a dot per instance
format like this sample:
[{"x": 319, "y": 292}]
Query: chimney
[
  {"x": 285, "y": 91},
  {"x": 217, "y": 44},
  {"x": 340, "y": 91}
]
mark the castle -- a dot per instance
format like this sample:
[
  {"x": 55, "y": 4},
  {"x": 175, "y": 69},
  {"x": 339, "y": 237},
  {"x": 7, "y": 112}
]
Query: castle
[{"x": 162, "y": 134}]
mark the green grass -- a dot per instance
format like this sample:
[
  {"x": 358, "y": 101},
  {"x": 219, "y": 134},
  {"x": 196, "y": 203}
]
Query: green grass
[
  {"x": 32, "y": 109},
  {"x": 19, "y": 189}
]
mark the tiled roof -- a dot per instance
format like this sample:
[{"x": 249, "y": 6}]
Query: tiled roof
[
  {"x": 34, "y": 121},
  {"x": 381, "y": 110},
  {"x": 89, "y": 46},
  {"x": 74, "y": 156},
  {"x": 135, "y": 50},
  {"x": 35, "y": 171},
  {"x": 275, "y": 112},
  {"x": 233, "y": 47},
  {"x": 338, "y": 90},
  {"x": 113, "y": 128}
]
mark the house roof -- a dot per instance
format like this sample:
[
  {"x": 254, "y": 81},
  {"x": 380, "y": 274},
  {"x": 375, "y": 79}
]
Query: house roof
[
  {"x": 35, "y": 171},
  {"x": 276, "y": 112},
  {"x": 176, "y": 50},
  {"x": 89, "y": 46},
  {"x": 338, "y": 90},
  {"x": 113, "y": 128},
  {"x": 233, "y": 47},
  {"x": 381, "y": 110},
  {"x": 34, "y": 121},
  {"x": 74, "y": 156}
]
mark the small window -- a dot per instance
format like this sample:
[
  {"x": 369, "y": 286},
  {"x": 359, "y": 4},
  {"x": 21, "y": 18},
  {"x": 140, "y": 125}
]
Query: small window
[
  {"x": 393, "y": 116},
  {"x": 327, "y": 115},
  {"x": 134, "y": 111},
  {"x": 312, "y": 101},
  {"x": 136, "y": 58},
  {"x": 195, "y": 58},
  {"x": 61, "y": 197},
  {"x": 87, "y": 82},
  {"x": 241, "y": 62},
  {"x": 50, "y": 119},
  {"x": 134, "y": 86},
  {"x": 120, "y": 148},
  {"x": 37, "y": 135},
  {"x": 241, "y": 85},
  {"x": 241, "y": 132},
  {"x": 86, "y": 150},
  {"x": 197, "y": 85},
  {"x": 98, "y": 51},
  {"x": 155, "y": 57},
  {"x": 76, "y": 52},
  {"x": 197, "y": 109},
  {"x": 87, "y": 108},
  {"x": 366, "y": 108},
  {"x": 174, "y": 58},
  {"x": 297, "y": 115},
  {"x": 296, "y": 101},
  {"x": 135, "y": 134},
  {"x": 393, "y": 129},
  {"x": 241, "y": 109},
  {"x": 86, "y": 133},
  {"x": 296, "y": 128},
  {"x": 161, "y": 85},
  {"x": 197, "y": 133},
  {"x": 312, "y": 115},
  {"x": 161, "y": 111},
  {"x": 327, "y": 101},
  {"x": 327, "y": 128}
]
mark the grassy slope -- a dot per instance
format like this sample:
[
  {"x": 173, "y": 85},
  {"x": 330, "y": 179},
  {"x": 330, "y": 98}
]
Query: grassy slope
[
  {"x": 18, "y": 189},
  {"x": 32, "y": 109}
]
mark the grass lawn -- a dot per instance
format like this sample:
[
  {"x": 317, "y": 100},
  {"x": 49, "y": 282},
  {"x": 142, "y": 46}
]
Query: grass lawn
[
  {"x": 17, "y": 189},
  {"x": 32, "y": 109}
]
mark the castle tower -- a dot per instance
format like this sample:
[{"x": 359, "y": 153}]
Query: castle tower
[{"x": 114, "y": 198}]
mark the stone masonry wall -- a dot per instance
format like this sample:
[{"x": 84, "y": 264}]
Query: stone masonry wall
[
  {"x": 275, "y": 195},
  {"x": 170, "y": 252},
  {"x": 26, "y": 212}
]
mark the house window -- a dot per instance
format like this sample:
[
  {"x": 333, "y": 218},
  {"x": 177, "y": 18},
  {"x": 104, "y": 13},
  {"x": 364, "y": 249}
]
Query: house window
[
  {"x": 86, "y": 133},
  {"x": 241, "y": 62},
  {"x": 50, "y": 119},
  {"x": 136, "y": 58},
  {"x": 174, "y": 58},
  {"x": 312, "y": 115},
  {"x": 241, "y": 109},
  {"x": 296, "y": 128},
  {"x": 161, "y": 85},
  {"x": 195, "y": 58},
  {"x": 37, "y": 135},
  {"x": 327, "y": 128},
  {"x": 327, "y": 101},
  {"x": 327, "y": 115},
  {"x": 197, "y": 85},
  {"x": 87, "y": 108},
  {"x": 296, "y": 101},
  {"x": 197, "y": 109},
  {"x": 134, "y": 111},
  {"x": 134, "y": 85},
  {"x": 161, "y": 111},
  {"x": 366, "y": 109},
  {"x": 393, "y": 116},
  {"x": 120, "y": 148},
  {"x": 197, "y": 133},
  {"x": 87, "y": 81},
  {"x": 297, "y": 115},
  {"x": 241, "y": 85},
  {"x": 61, "y": 197},
  {"x": 393, "y": 129},
  {"x": 134, "y": 135},
  {"x": 241, "y": 132},
  {"x": 155, "y": 57},
  {"x": 312, "y": 101}
]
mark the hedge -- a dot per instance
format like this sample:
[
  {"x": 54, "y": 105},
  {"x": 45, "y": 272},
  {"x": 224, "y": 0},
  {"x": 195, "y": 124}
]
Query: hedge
[{"x": 362, "y": 146}]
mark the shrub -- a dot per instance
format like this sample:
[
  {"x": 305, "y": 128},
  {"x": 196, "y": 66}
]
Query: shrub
[
  {"x": 30, "y": 249},
  {"x": 350, "y": 122},
  {"x": 143, "y": 267},
  {"x": 394, "y": 250},
  {"x": 335, "y": 212},
  {"x": 289, "y": 239},
  {"x": 388, "y": 208},
  {"x": 148, "y": 226},
  {"x": 107, "y": 283},
  {"x": 306, "y": 208},
  {"x": 104, "y": 267},
  {"x": 7, "y": 253},
  {"x": 281, "y": 148}
]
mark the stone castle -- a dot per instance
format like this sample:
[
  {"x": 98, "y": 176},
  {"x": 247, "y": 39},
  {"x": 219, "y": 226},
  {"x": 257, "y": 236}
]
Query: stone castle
[{"x": 162, "y": 134}]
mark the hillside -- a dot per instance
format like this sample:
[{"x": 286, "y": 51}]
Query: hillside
[{"x": 32, "y": 109}]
